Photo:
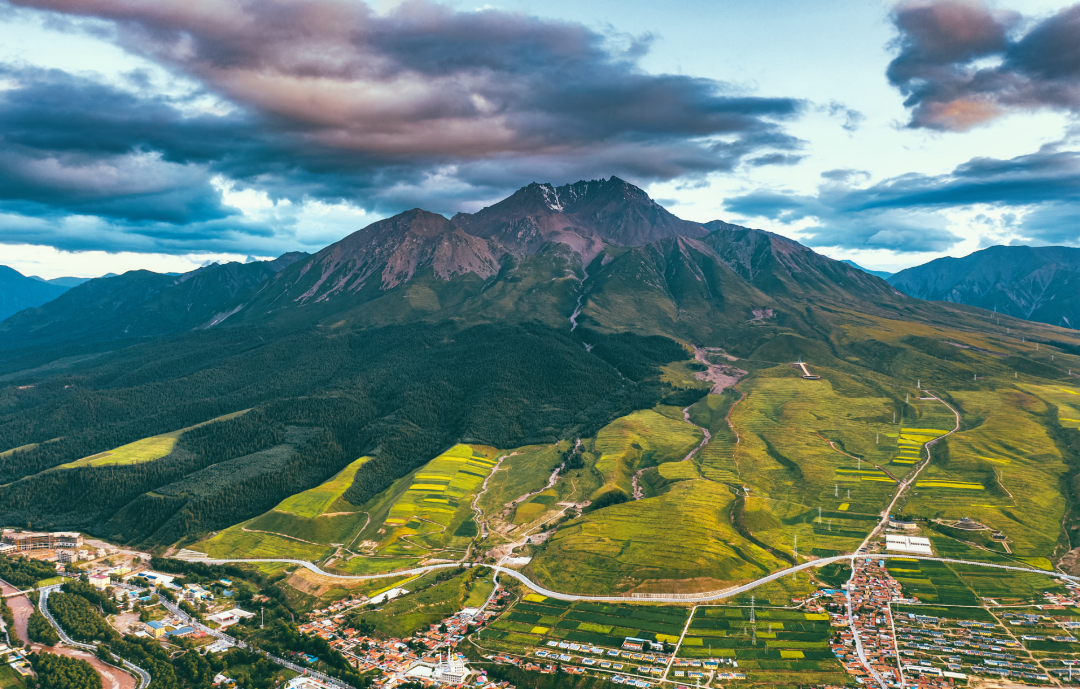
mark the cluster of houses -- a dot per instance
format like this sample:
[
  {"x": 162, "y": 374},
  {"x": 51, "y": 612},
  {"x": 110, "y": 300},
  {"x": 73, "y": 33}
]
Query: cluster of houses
[
  {"x": 866, "y": 643},
  {"x": 429, "y": 657}
]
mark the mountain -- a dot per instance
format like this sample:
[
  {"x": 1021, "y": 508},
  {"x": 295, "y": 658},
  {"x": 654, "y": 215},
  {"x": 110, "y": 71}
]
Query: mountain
[
  {"x": 68, "y": 282},
  {"x": 139, "y": 303},
  {"x": 877, "y": 273},
  {"x": 597, "y": 253},
  {"x": 18, "y": 292},
  {"x": 1034, "y": 283}
]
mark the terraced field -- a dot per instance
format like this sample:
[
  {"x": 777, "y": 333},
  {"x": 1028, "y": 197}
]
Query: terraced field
[
  {"x": 427, "y": 513},
  {"x": 630, "y": 547},
  {"x": 780, "y": 647},
  {"x": 535, "y": 620}
]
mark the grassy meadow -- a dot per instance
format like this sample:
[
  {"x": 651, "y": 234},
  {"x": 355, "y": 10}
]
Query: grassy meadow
[
  {"x": 637, "y": 441},
  {"x": 630, "y": 547},
  {"x": 144, "y": 450}
]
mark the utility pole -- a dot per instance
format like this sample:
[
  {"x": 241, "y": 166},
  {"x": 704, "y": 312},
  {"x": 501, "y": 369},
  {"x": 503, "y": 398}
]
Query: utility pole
[
  {"x": 262, "y": 618},
  {"x": 753, "y": 617},
  {"x": 818, "y": 516},
  {"x": 836, "y": 490}
]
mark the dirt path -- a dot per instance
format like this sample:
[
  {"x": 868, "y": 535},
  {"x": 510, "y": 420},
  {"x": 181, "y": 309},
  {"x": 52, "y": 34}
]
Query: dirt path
[
  {"x": 722, "y": 376},
  {"x": 275, "y": 533}
]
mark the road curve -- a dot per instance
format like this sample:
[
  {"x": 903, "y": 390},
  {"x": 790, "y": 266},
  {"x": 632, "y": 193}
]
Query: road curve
[
  {"x": 651, "y": 598},
  {"x": 144, "y": 676}
]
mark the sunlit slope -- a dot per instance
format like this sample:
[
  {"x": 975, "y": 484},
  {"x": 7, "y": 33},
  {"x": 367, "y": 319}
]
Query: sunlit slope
[
  {"x": 426, "y": 514},
  {"x": 305, "y": 525},
  {"x": 679, "y": 541},
  {"x": 642, "y": 439},
  {"x": 145, "y": 450},
  {"x": 1004, "y": 469}
]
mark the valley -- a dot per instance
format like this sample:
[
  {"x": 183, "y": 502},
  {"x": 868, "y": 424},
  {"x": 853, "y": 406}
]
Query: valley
[{"x": 577, "y": 423}]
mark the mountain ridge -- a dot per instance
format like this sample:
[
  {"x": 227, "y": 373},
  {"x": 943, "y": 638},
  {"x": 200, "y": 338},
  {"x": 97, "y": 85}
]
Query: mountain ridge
[{"x": 1034, "y": 283}]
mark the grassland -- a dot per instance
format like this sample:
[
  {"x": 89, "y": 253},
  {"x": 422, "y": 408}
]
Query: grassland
[
  {"x": 630, "y": 547},
  {"x": 144, "y": 450},
  {"x": 535, "y": 620},
  {"x": 637, "y": 441},
  {"x": 1003, "y": 471},
  {"x": 305, "y": 526},
  {"x": 9, "y": 679}
]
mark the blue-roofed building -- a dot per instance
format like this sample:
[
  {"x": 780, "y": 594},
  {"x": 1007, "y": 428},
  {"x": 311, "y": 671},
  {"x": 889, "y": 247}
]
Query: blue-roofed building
[{"x": 182, "y": 631}]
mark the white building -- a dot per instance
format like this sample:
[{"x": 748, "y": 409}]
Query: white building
[
  {"x": 451, "y": 669},
  {"x": 908, "y": 544}
]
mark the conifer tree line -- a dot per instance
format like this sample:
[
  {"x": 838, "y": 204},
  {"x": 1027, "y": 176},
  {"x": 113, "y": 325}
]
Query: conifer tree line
[{"x": 317, "y": 401}]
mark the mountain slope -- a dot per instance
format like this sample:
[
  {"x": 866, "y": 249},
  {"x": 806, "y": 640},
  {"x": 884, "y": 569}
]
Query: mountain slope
[
  {"x": 18, "y": 292},
  {"x": 876, "y": 273},
  {"x": 139, "y": 303},
  {"x": 1034, "y": 283}
]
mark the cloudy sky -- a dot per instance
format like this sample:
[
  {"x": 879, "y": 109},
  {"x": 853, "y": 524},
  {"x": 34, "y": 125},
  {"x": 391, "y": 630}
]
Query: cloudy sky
[{"x": 165, "y": 134}]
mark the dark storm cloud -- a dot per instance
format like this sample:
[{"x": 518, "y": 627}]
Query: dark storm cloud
[
  {"x": 334, "y": 102},
  {"x": 960, "y": 64},
  {"x": 901, "y": 213}
]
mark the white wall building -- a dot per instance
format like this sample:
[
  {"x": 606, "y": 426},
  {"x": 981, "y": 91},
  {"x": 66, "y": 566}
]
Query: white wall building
[{"x": 908, "y": 544}]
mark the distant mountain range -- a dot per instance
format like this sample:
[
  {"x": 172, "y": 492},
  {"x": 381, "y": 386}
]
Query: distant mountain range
[
  {"x": 136, "y": 304},
  {"x": 1034, "y": 283},
  {"x": 18, "y": 292},
  {"x": 598, "y": 254}
]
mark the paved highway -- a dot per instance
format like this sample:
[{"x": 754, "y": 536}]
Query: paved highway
[{"x": 651, "y": 598}]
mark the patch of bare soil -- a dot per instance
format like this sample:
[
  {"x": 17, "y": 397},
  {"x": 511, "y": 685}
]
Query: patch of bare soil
[
  {"x": 722, "y": 376},
  {"x": 126, "y": 623}
]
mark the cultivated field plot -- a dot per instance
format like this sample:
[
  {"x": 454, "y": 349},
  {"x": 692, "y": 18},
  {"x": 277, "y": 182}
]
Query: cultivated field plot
[
  {"x": 535, "y": 619},
  {"x": 426, "y": 512},
  {"x": 931, "y": 582},
  {"x": 781, "y": 646},
  {"x": 145, "y": 450},
  {"x": 1004, "y": 471},
  {"x": 303, "y": 526},
  {"x": 642, "y": 439},
  {"x": 629, "y": 547},
  {"x": 823, "y": 534}
]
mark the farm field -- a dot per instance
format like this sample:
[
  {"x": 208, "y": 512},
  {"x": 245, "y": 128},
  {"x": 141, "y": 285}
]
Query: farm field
[
  {"x": 629, "y": 547},
  {"x": 9, "y": 679},
  {"x": 640, "y": 440},
  {"x": 1003, "y": 472},
  {"x": 145, "y": 450},
  {"x": 534, "y": 620},
  {"x": 782, "y": 645},
  {"x": 427, "y": 513},
  {"x": 304, "y": 526}
]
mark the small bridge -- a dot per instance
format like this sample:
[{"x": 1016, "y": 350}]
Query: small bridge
[{"x": 13, "y": 594}]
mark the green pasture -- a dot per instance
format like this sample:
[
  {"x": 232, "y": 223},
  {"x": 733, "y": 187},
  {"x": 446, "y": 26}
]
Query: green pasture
[
  {"x": 145, "y": 450},
  {"x": 235, "y": 542},
  {"x": 630, "y": 547},
  {"x": 1003, "y": 470},
  {"x": 641, "y": 439},
  {"x": 321, "y": 499}
]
